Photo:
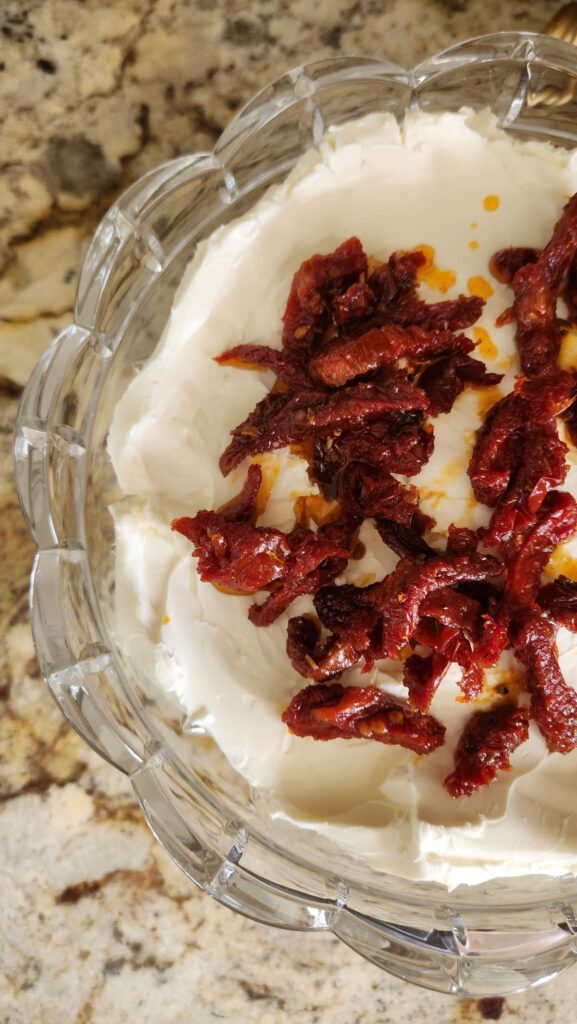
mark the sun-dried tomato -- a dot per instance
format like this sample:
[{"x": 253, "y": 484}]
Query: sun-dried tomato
[
  {"x": 452, "y": 643},
  {"x": 239, "y": 556},
  {"x": 444, "y": 380},
  {"x": 559, "y": 600},
  {"x": 243, "y": 508},
  {"x": 353, "y": 712},
  {"x": 342, "y": 531},
  {"x": 356, "y": 303},
  {"x": 569, "y": 291},
  {"x": 451, "y": 608},
  {"x": 556, "y": 521},
  {"x": 541, "y": 466},
  {"x": 347, "y": 611},
  {"x": 290, "y": 371},
  {"x": 316, "y": 283},
  {"x": 553, "y": 701},
  {"x": 532, "y": 403},
  {"x": 373, "y": 492},
  {"x": 448, "y": 315},
  {"x": 461, "y": 540},
  {"x": 537, "y": 287},
  {"x": 494, "y": 639},
  {"x": 421, "y": 676},
  {"x": 399, "y": 596},
  {"x": 289, "y": 417},
  {"x": 402, "y": 447},
  {"x": 345, "y": 359},
  {"x": 485, "y": 746},
  {"x": 394, "y": 283},
  {"x": 311, "y": 563},
  {"x": 570, "y": 420},
  {"x": 505, "y": 263},
  {"x": 315, "y": 658},
  {"x": 404, "y": 540},
  {"x": 395, "y": 286},
  {"x": 235, "y": 555}
]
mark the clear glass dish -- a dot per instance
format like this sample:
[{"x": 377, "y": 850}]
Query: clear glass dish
[{"x": 485, "y": 940}]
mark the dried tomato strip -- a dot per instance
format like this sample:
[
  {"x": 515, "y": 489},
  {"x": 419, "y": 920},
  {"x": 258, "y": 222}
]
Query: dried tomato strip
[
  {"x": 373, "y": 491},
  {"x": 532, "y": 403},
  {"x": 313, "y": 561},
  {"x": 336, "y": 712},
  {"x": 356, "y": 303},
  {"x": 348, "y": 358},
  {"x": 541, "y": 466},
  {"x": 553, "y": 701},
  {"x": 421, "y": 676},
  {"x": 505, "y": 263},
  {"x": 400, "y": 595},
  {"x": 347, "y": 612},
  {"x": 485, "y": 746},
  {"x": 556, "y": 522},
  {"x": 235, "y": 555},
  {"x": 315, "y": 658},
  {"x": 448, "y": 315},
  {"x": 452, "y": 643},
  {"x": 404, "y": 540},
  {"x": 451, "y": 608},
  {"x": 559, "y": 601},
  {"x": 287, "y": 418},
  {"x": 316, "y": 282},
  {"x": 537, "y": 287},
  {"x": 286, "y": 369},
  {"x": 461, "y": 540},
  {"x": 444, "y": 380},
  {"x": 402, "y": 447},
  {"x": 243, "y": 507}
]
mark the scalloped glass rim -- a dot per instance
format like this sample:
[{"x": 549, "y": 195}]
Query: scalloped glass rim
[{"x": 418, "y": 931}]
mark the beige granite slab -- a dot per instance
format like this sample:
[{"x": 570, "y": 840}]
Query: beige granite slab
[{"x": 96, "y": 925}]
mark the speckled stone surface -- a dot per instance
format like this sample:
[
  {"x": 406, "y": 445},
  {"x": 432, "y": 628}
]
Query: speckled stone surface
[{"x": 97, "y": 926}]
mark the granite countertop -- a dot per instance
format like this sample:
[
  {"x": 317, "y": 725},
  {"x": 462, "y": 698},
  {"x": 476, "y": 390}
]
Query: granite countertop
[{"x": 97, "y": 925}]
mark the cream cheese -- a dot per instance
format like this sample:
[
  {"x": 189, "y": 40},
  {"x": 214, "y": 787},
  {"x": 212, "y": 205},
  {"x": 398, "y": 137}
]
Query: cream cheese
[{"x": 396, "y": 187}]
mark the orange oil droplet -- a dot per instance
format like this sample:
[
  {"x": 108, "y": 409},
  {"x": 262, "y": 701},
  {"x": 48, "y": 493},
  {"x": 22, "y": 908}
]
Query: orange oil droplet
[
  {"x": 432, "y": 275},
  {"x": 473, "y": 225},
  {"x": 491, "y": 203},
  {"x": 365, "y": 579},
  {"x": 316, "y": 508},
  {"x": 454, "y": 470},
  {"x": 229, "y": 590},
  {"x": 506, "y": 363},
  {"x": 485, "y": 345},
  {"x": 562, "y": 564},
  {"x": 270, "y": 473},
  {"x": 480, "y": 286},
  {"x": 473, "y": 244},
  {"x": 506, "y": 682},
  {"x": 165, "y": 620},
  {"x": 486, "y": 399},
  {"x": 304, "y": 449},
  {"x": 239, "y": 364}
]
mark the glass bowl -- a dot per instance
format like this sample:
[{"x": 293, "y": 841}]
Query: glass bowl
[{"x": 492, "y": 939}]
